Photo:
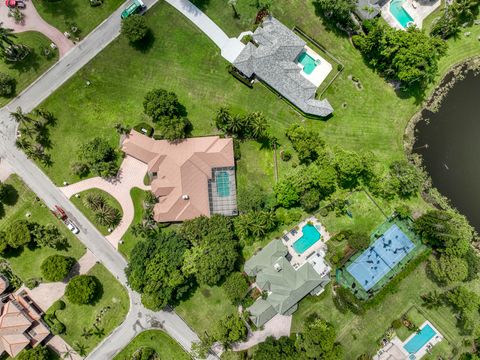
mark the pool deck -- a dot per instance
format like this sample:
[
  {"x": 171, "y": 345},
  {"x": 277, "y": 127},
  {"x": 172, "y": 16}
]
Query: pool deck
[
  {"x": 321, "y": 71},
  {"x": 417, "y": 9},
  {"x": 289, "y": 237},
  {"x": 394, "y": 348}
]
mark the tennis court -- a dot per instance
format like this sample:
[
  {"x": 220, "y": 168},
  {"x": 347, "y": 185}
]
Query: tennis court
[{"x": 381, "y": 257}]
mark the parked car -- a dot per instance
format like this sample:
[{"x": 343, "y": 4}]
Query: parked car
[
  {"x": 21, "y": 5},
  {"x": 72, "y": 228}
]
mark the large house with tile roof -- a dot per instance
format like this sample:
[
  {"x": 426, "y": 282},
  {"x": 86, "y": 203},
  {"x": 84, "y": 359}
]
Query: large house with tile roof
[
  {"x": 284, "y": 284},
  {"x": 272, "y": 58},
  {"x": 21, "y": 324},
  {"x": 190, "y": 178}
]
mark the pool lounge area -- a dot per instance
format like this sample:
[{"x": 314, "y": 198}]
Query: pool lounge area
[
  {"x": 415, "y": 347},
  {"x": 314, "y": 68},
  {"x": 305, "y": 240},
  {"x": 400, "y": 14}
]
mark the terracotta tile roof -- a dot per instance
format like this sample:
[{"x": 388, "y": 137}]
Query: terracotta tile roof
[
  {"x": 180, "y": 170},
  {"x": 20, "y": 326}
]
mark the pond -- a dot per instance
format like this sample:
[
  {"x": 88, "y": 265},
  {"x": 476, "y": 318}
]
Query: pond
[{"x": 449, "y": 142}]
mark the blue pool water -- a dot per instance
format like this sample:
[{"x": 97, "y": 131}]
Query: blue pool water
[
  {"x": 400, "y": 13},
  {"x": 310, "y": 236},
  {"x": 223, "y": 184},
  {"x": 420, "y": 339},
  {"x": 308, "y": 62}
]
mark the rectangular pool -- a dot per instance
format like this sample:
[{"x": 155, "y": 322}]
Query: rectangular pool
[
  {"x": 420, "y": 339},
  {"x": 223, "y": 184},
  {"x": 402, "y": 16},
  {"x": 308, "y": 62},
  {"x": 310, "y": 235}
]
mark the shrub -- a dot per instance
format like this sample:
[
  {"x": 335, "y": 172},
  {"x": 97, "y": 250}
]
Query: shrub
[
  {"x": 94, "y": 201},
  {"x": 397, "y": 324},
  {"x": 145, "y": 353},
  {"x": 80, "y": 169},
  {"x": 57, "y": 327},
  {"x": 32, "y": 283},
  {"x": 57, "y": 305},
  {"x": 286, "y": 155},
  {"x": 134, "y": 28},
  {"x": 345, "y": 301},
  {"x": 310, "y": 200},
  {"x": 7, "y": 85},
  {"x": 235, "y": 287},
  {"x": 56, "y": 267},
  {"x": 144, "y": 126},
  {"x": 82, "y": 289}
]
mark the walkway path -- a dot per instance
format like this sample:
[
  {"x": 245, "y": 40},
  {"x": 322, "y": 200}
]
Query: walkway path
[
  {"x": 131, "y": 175},
  {"x": 230, "y": 47},
  {"x": 33, "y": 22}
]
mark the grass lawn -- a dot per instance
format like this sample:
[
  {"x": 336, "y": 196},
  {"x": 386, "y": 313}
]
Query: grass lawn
[
  {"x": 90, "y": 214},
  {"x": 129, "y": 240},
  {"x": 113, "y": 304},
  {"x": 360, "y": 334},
  {"x": 164, "y": 345},
  {"x": 65, "y": 14},
  {"x": 204, "y": 308},
  {"x": 26, "y": 71},
  {"x": 26, "y": 264}
]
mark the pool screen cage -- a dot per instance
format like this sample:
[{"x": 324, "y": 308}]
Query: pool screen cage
[
  {"x": 222, "y": 191},
  {"x": 347, "y": 280}
]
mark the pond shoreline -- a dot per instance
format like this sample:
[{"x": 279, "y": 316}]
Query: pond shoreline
[{"x": 440, "y": 138}]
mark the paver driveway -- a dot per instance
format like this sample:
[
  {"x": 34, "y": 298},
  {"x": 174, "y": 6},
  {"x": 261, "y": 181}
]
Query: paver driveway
[{"x": 131, "y": 175}]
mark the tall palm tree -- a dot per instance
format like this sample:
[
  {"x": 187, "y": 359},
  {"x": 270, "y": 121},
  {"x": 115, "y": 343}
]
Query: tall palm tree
[
  {"x": 6, "y": 36},
  {"x": 20, "y": 117},
  {"x": 257, "y": 124},
  {"x": 80, "y": 348},
  {"x": 68, "y": 353},
  {"x": 86, "y": 333}
]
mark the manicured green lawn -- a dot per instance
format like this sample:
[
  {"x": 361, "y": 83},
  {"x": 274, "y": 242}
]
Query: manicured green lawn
[
  {"x": 129, "y": 240},
  {"x": 90, "y": 214},
  {"x": 26, "y": 264},
  {"x": 360, "y": 334},
  {"x": 111, "y": 308},
  {"x": 65, "y": 14},
  {"x": 164, "y": 345},
  {"x": 204, "y": 308},
  {"x": 26, "y": 71}
]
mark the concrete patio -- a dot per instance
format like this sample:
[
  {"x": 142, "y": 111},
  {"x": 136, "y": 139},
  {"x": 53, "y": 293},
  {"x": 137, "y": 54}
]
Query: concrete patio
[{"x": 417, "y": 9}]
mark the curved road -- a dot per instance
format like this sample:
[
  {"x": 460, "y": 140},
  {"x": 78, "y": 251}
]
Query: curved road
[{"x": 138, "y": 318}]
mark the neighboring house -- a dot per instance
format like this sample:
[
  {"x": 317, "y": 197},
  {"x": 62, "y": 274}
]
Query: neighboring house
[
  {"x": 277, "y": 58},
  {"x": 190, "y": 178},
  {"x": 20, "y": 324},
  {"x": 368, "y": 9},
  {"x": 4, "y": 284},
  {"x": 285, "y": 285}
]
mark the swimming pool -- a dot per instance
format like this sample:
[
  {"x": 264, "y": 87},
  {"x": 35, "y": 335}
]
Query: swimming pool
[
  {"x": 223, "y": 184},
  {"x": 310, "y": 235},
  {"x": 420, "y": 339},
  {"x": 402, "y": 16},
  {"x": 308, "y": 62}
]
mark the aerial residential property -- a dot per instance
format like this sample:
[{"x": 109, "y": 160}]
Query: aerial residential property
[
  {"x": 281, "y": 59},
  {"x": 190, "y": 178},
  {"x": 239, "y": 179}
]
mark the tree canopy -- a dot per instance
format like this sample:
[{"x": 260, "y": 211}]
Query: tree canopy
[
  {"x": 230, "y": 329},
  {"x": 134, "y": 28},
  {"x": 56, "y": 267},
  {"x": 37, "y": 353},
  {"x": 337, "y": 12},
  {"x": 82, "y": 289},
  {"x": 307, "y": 143},
  {"x": 99, "y": 156},
  {"x": 318, "y": 340},
  {"x": 251, "y": 126},
  {"x": 7, "y": 85},
  {"x": 160, "y": 103},
  {"x": 409, "y": 56},
  {"x": 449, "y": 269},
  {"x": 155, "y": 269},
  {"x": 235, "y": 287}
]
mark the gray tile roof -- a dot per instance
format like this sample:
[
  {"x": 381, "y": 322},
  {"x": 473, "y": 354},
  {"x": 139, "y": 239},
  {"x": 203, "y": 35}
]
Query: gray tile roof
[
  {"x": 273, "y": 62},
  {"x": 286, "y": 286},
  {"x": 367, "y": 9}
]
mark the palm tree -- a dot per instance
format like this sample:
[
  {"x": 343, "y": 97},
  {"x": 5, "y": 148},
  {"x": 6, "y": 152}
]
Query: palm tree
[
  {"x": 99, "y": 332},
  {"x": 257, "y": 124},
  {"x": 235, "y": 125},
  {"x": 20, "y": 117},
  {"x": 6, "y": 36},
  {"x": 23, "y": 144},
  {"x": 81, "y": 349},
  {"x": 68, "y": 353},
  {"x": 86, "y": 333},
  {"x": 222, "y": 118}
]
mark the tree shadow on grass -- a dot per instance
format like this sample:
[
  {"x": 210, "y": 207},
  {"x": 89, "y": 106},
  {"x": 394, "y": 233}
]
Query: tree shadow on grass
[
  {"x": 66, "y": 9},
  {"x": 11, "y": 195},
  {"x": 31, "y": 62},
  {"x": 98, "y": 293},
  {"x": 145, "y": 45}
]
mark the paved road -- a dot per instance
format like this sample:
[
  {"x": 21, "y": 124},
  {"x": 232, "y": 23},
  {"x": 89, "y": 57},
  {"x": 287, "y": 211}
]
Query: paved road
[{"x": 138, "y": 317}]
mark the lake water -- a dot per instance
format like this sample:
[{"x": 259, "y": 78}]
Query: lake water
[{"x": 452, "y": 157}]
